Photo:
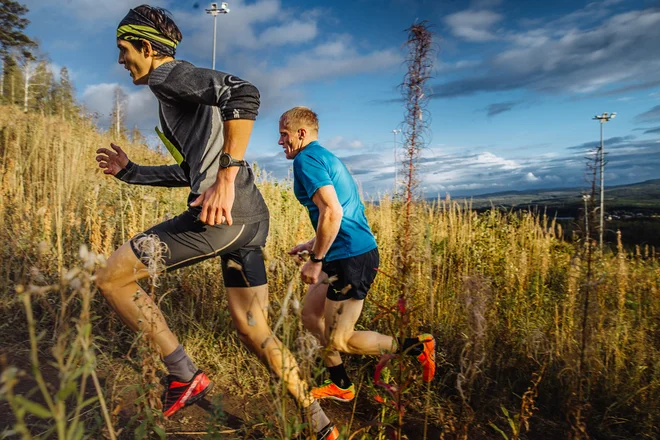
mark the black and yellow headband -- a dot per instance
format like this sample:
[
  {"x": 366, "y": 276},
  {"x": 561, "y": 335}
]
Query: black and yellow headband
[{"x": 137, "y": 27}]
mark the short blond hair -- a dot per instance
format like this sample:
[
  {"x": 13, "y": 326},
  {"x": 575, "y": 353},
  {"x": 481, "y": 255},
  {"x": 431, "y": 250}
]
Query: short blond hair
[{"x": 299, "y": 117}]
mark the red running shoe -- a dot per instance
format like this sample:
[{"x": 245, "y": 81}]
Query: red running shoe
[
  {"x": 178, "y": 394},
  {"x": 427, "y": 358},
  {"x": 329, "y": 390}
]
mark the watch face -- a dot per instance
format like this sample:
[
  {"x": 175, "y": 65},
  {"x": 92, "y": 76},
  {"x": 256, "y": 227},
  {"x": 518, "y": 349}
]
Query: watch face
[{"x": 225, "y": 160}]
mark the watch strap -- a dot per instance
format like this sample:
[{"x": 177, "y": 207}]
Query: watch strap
[
  {"x": 232, "y": 162},
  {"x": 312, "y": 256}
]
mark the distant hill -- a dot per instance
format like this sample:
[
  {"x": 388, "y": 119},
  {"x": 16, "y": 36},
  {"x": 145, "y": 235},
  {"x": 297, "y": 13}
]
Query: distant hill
[{"x": 641, "y": 197}]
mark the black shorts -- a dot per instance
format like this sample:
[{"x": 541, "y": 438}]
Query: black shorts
[
  {"x": 190, "y": 241},
  {"x": 359, "y": 272}
]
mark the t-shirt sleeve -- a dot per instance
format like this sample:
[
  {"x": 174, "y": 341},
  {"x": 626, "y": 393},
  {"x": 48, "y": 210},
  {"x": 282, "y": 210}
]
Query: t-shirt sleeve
[{"x": 312, "y": 173}]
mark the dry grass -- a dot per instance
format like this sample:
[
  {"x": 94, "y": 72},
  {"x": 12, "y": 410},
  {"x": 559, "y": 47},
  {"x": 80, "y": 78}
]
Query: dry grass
[{"x": 502, "y": 293}]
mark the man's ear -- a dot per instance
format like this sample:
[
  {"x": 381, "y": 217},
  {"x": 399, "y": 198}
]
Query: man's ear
[
  {"x": 302, "y": 133},
  {"x": 147, "y": 49}
]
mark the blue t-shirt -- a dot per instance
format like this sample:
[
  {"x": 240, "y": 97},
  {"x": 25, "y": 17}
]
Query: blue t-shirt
[{"x": 315, "y": 167}]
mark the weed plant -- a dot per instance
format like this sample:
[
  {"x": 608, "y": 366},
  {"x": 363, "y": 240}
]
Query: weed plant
[{"x": 502, "y": 292}]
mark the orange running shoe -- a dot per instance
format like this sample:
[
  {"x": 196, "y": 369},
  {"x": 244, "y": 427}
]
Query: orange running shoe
[
  {"x": 330, "y": 432},
  {"x": 329, "y": 390},
  {"x": 427, "y": 358},
  {"x": 178, "y": 394}
]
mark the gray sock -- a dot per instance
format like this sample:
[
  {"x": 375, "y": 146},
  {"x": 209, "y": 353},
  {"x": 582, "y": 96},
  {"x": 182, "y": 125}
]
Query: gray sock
[
  {"x": 180, "y": 365},
  {"x": 317, "y": 416}
]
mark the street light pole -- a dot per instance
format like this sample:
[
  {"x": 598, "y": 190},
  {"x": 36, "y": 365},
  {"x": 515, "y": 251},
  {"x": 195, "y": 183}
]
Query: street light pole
[
  {"x": 601, "y": 153},
  {"x": 396, "y": 168},
  {"x": 214, "y": 11}
]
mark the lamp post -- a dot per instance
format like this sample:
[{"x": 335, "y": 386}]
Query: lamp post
[
  {"x": 396, "y": 168},
  {"x": 214, "y": 11},
  {"x": 601, "y": 152}
]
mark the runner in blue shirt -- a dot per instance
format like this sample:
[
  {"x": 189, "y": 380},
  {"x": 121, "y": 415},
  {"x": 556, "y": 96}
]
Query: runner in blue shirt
[{"x": 343, "y": 248}]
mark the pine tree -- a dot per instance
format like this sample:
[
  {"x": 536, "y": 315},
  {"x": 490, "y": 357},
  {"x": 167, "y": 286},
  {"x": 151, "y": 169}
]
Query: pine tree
[
  {"x": 68, "y": 103},
  {"x": 12, "y": 24},
  {"x": 40, "y": 88},
  {"x": 61, "y": 96},
  {"x": 10, "y": 77}
]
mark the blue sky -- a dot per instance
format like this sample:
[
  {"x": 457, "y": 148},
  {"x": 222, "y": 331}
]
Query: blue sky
[{"x": 516, "y": 83}]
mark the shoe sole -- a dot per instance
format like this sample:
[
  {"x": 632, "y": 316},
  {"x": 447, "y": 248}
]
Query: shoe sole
[
  {"x": 338, "y": 399},
  {"x": 193, "y": 399},
  {"x": 197, "y": 397}
]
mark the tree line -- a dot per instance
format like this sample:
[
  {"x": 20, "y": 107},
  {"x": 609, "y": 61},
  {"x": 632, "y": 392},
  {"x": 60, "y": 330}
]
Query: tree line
[{"x": 28, "y": 81}]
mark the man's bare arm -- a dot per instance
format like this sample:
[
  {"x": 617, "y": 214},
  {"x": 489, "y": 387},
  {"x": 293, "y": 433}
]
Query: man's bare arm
[{"x": 330, "y": 215}]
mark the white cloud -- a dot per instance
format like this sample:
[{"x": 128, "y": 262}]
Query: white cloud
[
  {"x": 331, "y": 49},
  {"x": 530, "y": 177},
  {"x": 491, "y": 160},
  {"x": 294, "y": 32},
  {"x": 472, "y": 25},
  {"x": 341, "y": 143}
]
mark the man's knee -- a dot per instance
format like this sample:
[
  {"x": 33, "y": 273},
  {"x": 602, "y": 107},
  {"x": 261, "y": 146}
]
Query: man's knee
[
  {"x": 103, "y": 280},
  {"x": 107, "y": 281},
  {"x": 340, "y": 342},
  {"x": 121, "y": 269}
]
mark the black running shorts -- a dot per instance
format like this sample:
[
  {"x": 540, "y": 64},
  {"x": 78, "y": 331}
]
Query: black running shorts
[
  {"x": 190, "y": 241},
  {"x": 359, "y": 272}
]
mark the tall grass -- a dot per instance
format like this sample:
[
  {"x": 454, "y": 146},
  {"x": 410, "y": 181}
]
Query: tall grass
[{"x": 501, "y": 292}]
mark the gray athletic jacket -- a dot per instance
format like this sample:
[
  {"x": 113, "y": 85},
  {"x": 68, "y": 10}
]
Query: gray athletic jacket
[{"x": 192, "y": 104}]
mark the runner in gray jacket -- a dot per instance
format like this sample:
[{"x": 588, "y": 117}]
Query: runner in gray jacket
[{"x": 206, "y": 118}]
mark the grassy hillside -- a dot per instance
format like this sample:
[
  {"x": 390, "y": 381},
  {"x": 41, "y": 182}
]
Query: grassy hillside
[{"x": 538, "y": 338}]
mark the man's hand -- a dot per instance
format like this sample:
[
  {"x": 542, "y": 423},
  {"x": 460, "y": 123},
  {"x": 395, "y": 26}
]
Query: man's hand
[
  {"x": 302, "y": 248},
  {"x": 310, "y": 272},
  {"x": 112, "y": 162},
  {"x": 216, "y": 203}
]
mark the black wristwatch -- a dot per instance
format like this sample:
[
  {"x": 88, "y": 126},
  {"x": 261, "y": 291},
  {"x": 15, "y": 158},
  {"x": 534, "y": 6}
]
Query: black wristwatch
[
  {"x": 312, "y": 257},
  {"x": 227, "y": 161}
]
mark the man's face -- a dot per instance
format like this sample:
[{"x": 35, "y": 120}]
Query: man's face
[
  {"x": 138, "y": 65},
  {"x": 290, "y": 141}
]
